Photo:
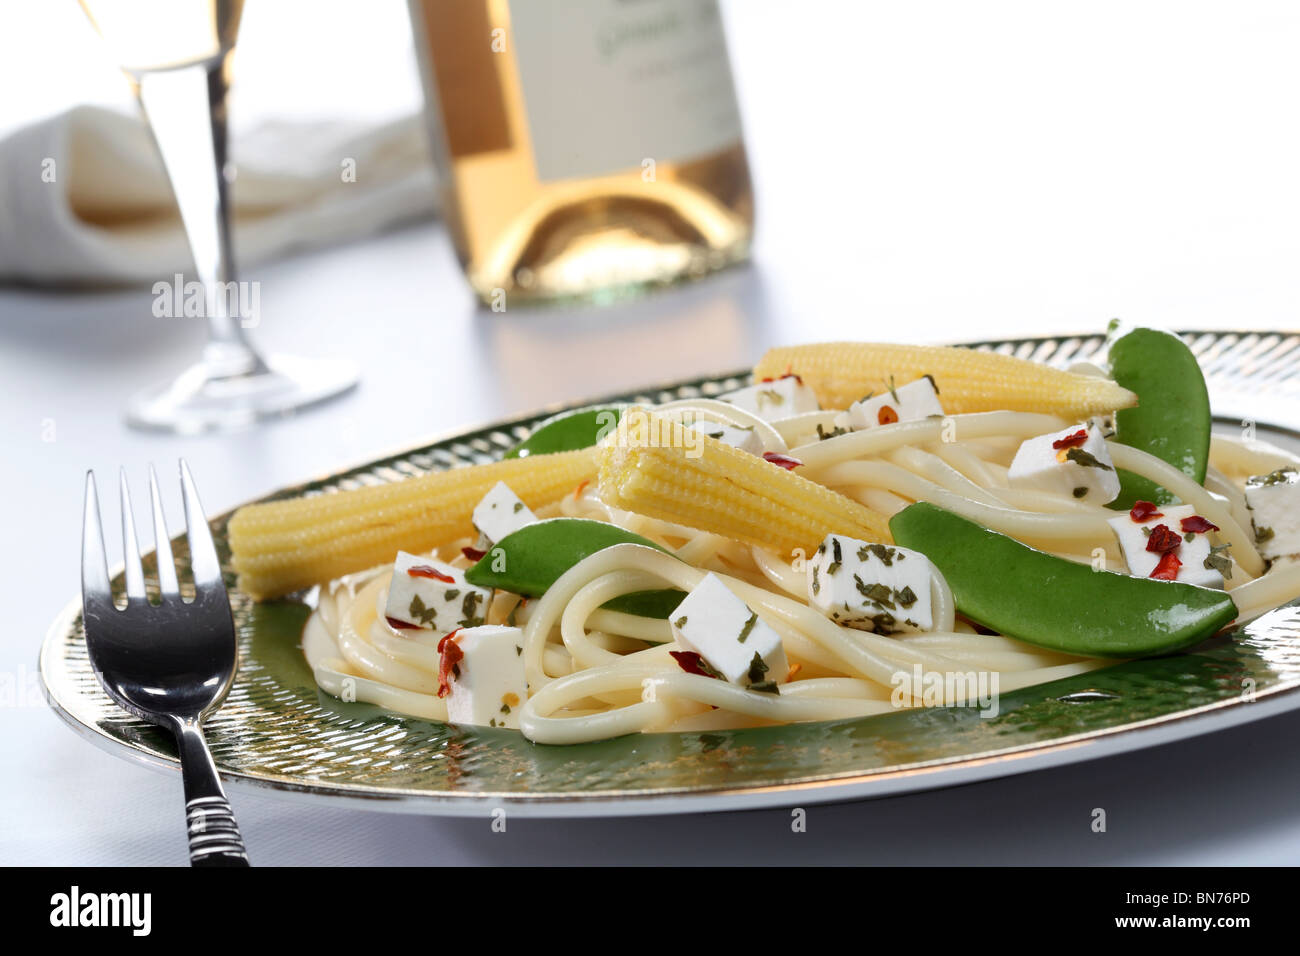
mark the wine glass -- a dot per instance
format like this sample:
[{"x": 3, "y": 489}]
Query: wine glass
[{"x": 177, "y": 54}]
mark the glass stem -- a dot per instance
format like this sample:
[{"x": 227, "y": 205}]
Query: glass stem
[{"x": 186, "y": 109}]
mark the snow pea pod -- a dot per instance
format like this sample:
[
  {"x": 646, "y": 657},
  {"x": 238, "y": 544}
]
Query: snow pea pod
[
  {"x": 1051, "y": 602},
  {"x": 1172, "y": 419},
  {"x": 569, "y": 431},
  {"x": 531, "y": 559}
]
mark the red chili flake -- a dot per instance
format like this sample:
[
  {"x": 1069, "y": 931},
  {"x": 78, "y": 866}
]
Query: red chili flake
[
  {"x": 886, "y": 415},
  {"x": 400, "y": 625},
  {"x": 776, "y": 378},
  {"x": 474, "y": 554},
  {"x": 1071, "y": 441},
  {"x": 424, "y": 571},
  {"x": 577, "y": 492},
  {"x": 1197, "y": 525},
  {"x": 1167, "y": 569},
  {"x": 782, "y": 461},
  {"x": 451, "y": 656},
  {"x": 690, "y": 662},
  {"x": 1164, "y": 540},
  {"x": 1145, "y": 511}
]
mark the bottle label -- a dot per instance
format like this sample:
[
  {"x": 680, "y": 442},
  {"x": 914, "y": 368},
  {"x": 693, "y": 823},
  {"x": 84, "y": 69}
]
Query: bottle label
[{"x": 611, "y": 85}]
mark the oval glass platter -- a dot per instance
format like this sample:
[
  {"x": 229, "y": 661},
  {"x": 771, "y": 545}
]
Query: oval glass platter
[{"x": 277, "y": 732}]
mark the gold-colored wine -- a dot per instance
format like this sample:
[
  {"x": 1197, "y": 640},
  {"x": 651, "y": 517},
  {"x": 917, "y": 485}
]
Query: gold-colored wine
[
  {"x": 148, "y": 35},
  {"x": 588, "y": 148}
]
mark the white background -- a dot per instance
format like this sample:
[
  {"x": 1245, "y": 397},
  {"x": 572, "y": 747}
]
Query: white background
[{"x": 925, "y": 171}]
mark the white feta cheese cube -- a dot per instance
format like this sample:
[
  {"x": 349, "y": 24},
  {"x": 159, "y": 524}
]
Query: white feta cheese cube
[
  {"x": 500, "y": 512},
  {"x": 780, "y": 398},
  {"x": 487, "y": 684},
  {"x": 732, "y": 639},
  {"x": 905, "y": 403},
  {"x": 427, "y": 593},
  {"x": 1145, "y": 543},
  {"x": 1070, "y": 462},
  {"x": 872, "y": 587},
  {"x": 1274, "y": 501},
  {"x": 743, "y": 438}
]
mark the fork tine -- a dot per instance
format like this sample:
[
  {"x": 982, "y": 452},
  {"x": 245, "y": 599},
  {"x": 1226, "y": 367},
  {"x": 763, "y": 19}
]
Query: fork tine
[
  {"x": 131, "y": 547},
  {"x": 167, "y": 583},
  {"x": 203, "y": 553},
  {"x": 96, "y": 592}
]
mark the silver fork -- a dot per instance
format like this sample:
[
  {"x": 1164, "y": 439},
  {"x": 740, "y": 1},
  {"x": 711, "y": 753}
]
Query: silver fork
[{"x": 170, "y": 664}]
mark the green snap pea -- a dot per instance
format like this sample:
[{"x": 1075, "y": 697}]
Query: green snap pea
[
  {"x": 569, "y": 431},
  {"x": 1051, "y": 602},
  {"x": 1172, "y": 419},
  {"x": 530, "y": 560}
]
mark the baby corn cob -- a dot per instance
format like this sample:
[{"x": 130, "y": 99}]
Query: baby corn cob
[
  {"x": 281, "y": 546},
  {"x": 655, "y": 467},
  {"x": 968, "y": 380}
]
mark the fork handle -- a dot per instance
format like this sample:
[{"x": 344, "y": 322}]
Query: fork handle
[{"x": 210, "y": 823}]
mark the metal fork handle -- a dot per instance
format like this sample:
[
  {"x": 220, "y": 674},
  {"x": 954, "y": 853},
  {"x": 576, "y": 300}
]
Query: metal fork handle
[{"x": 210, "y": 823}]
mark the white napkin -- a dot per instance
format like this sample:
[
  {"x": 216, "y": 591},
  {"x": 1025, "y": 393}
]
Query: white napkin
[{"x": 83, "y": 196}]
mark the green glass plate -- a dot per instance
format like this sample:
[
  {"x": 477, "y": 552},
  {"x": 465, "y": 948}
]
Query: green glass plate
[{"x": 278, "y": 732}]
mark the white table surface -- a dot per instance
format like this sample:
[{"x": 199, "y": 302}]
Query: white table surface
[{"x": 925, "y": 171}]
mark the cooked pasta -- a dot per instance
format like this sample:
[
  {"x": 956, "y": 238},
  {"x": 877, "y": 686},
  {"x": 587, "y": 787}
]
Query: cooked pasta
[{"x": 594, "y": 673}]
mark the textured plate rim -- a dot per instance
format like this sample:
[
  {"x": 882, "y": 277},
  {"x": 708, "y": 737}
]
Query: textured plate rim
[{"x": 896, "y": 780}]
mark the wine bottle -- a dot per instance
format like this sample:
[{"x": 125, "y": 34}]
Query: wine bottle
[{"x": 587, "y": 149}]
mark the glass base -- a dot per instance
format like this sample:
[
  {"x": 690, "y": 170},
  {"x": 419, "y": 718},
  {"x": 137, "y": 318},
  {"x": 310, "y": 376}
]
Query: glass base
[{"x": 206, "y": 397}]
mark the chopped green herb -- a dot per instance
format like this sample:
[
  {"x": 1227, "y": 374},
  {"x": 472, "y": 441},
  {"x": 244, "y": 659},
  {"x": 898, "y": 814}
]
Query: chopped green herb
[
  {"x": 1218, "y": 560},
  {"x": 680, "y": 622},
  {"x": 905, "y": 597},
  {"x": 519, "y": 506},
  {"x": 766, "y": 687},
  {"x": 452, "y": 593},
  {"x": 816, "y": 584},
  {"x": 883, "y": 623},
  {"x": 709, "y": 669},
  {"x": 425, "y": 615},
  {"x": 469, "y": 616},
  {"x": 1086, "y": 458},
  {"x": 1080, "y": 491},
  {"x": 1283, "y": 476},
  {"x": 884, "y": 554},
  {"x": 894, "y": 391},
  {"x": 836, "y": 557},
  {"x": 749, "y": 626},
  {"x": 879, "y": 594},
  {"x": 757, "y": 669},
  {"x": 1263, "y": 534},
  {"x": 836, "y": 432},
  {"x": 505, "y": 708}
]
